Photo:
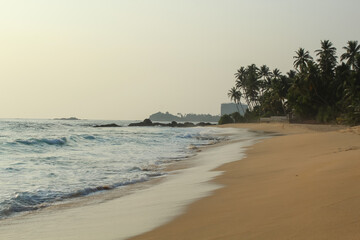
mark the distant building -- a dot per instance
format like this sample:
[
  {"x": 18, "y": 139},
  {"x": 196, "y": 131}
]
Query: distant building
[{"x": 229, "y": 108}]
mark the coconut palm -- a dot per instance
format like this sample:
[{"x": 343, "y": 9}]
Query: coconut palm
[
  {"x": 265, "y": 74},
  {"x": 318, "y": 90},
  {"x": 252, "y": 84},
  {"x": 327, "y": 57},
  {"x": 291, "y": 74},
  {"x": 352, "y": 49},
  {"x": 357, "y": 62},
  {"x": 276, "y": 74},
  {"x": 235, "y": 95},
  {"x": 301, "y": 59},
  {"x": 327, "y": 63},
  {"x": 240, "y": 73},
  {"x": 279, "y": 87},
  {"x": 240, "y": 76}
]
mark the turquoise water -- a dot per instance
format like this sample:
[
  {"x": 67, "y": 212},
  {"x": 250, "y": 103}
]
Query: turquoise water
[{"x": 43, "y": 162}]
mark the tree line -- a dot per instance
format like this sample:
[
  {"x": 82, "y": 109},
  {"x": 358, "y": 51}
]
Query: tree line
[
  {"x": 192, "y": 117},
  {"x": 322, "y": 90}
]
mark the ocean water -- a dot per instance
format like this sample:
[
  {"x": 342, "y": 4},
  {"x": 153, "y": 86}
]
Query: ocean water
[{"x": 44, "y": 162}]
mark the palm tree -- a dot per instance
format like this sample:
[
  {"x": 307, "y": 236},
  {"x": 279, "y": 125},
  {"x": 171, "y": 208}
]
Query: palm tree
[
  {"x": 357, "y": 62},
  {"x": 265, "y": 73},
  {"x": 241, "y": 76},
  {"x": 301, "y": 59},
  {"x": 235, "y": 95},
  {"x": 252, "y": 84},
  {"x": 240, "y": 73},
  {"x": 276, "y": 74},
  {"x": 327, "y": 57},
  {"x": 352, "y": 49},
  {"x": 327, "y": 63},
  {"x": 291, "y": 74},
  {"x": 279, "y": 87}
]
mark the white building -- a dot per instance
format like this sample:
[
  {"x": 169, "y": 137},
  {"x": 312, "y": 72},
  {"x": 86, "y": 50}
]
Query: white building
[{"x": 229, "y": 108}]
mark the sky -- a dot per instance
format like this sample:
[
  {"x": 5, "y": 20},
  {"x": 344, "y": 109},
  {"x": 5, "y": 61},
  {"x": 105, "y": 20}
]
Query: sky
[{"x": 127, "y": 59}]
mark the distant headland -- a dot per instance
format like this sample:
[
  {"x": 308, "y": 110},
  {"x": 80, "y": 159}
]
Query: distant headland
[
  {"x": 70, "y": 118},
  {"x": 191, "y": 117}
]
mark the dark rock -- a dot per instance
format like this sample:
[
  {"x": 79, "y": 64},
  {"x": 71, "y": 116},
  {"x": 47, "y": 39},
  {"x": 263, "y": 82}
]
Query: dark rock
[
  {"x": 189, "y": 124},
  {"x": 149, "y": 123},
  {"x": 203, "y": 124},
  {"x": 146, "y": 123},
  {"x": 108, "y": 125}
]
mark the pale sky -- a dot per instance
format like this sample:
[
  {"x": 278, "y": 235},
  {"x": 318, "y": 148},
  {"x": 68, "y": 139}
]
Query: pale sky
[{"x": 127, "y": 59}]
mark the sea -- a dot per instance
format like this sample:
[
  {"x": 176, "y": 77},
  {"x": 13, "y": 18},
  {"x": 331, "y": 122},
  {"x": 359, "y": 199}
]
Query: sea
[{"x": 46, "y": 162}]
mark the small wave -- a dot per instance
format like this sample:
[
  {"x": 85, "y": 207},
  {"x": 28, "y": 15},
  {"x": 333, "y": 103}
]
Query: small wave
[
  {"x": 10, "y": 169},
  {"x": 134, "y": 169},
  {"x": 31, "y": 201},
  {"x": 89, "y": 137},
  {"x": 155, "y": 174},
  {"x": 34, "y": 141},
  {"x": 87, "y": 191},
  {"x": 198, "y": 137},
  {"x": 207, "y": 138},
  {"x": 194, "y": 148},
  {"x": 188, "y": 135},
  {"x": 148, "y": 168},
  {"x": 22, "y": 202},
  {"x": 10, "y": 209}
]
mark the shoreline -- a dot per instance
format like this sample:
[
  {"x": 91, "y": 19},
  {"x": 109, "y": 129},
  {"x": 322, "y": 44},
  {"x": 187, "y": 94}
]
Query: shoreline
[
  {"x": 303, "y": 184},
  {"x": 108, "y": 216}
]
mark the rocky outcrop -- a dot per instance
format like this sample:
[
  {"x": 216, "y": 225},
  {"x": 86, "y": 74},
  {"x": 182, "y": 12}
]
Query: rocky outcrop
[
  {"x": 203, "y": 124},
  {"x": 70, "y": 118},
  {"x": 108, "y": 125},
  {"x": 148, "y": 123}
]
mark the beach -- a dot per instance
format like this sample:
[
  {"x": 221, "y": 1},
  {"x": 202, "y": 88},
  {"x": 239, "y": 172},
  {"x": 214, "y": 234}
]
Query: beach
[
  {"x": 180, "y": 120},
  {"x": 279, "y": 181},
  {"x": 107, "y": 211},
  {"x": 302, "y": 184}
]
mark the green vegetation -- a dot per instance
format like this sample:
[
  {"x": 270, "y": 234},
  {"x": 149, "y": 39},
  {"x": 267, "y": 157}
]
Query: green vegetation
[
  {"x": 226, "y": 118},
  {"x": 191, "y": 117},
  {"x": 322, "y": 90},
  {"x": 232, "y": 118}
]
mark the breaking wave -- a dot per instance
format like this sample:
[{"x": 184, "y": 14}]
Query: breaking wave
[
  {"x": 34, "y": 141},
  {"x": 45, "y": 162},
  {"x": 30, "y": 201}
]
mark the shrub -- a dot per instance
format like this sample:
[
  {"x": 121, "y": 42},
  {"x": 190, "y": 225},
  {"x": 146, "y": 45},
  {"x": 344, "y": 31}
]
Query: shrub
[
  {"x": 237, "y": 117},
  {"x": 225, "y": 119},
  {"x": 325, "y": 114}
]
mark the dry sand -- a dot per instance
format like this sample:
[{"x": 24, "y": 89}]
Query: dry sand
[{"x": 304, "y": 184}]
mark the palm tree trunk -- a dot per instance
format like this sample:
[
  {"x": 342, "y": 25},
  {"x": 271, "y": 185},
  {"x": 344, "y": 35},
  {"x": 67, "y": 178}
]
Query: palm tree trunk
[
  {"x": 236, "y": 104},
  {"x": 242, "y": 108}
]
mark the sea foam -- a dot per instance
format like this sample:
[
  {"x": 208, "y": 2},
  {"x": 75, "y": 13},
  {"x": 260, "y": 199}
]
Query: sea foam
[{"x": 46, "y": 161}]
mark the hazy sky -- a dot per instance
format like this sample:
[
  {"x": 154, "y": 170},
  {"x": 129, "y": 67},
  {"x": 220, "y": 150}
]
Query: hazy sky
[{"x": 127, "y": 59}]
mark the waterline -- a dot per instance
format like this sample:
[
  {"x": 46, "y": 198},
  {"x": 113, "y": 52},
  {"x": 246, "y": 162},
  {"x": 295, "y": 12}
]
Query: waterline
[{"x": 141, "y": 211}]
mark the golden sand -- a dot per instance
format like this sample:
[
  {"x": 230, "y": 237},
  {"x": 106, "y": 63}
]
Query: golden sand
[{"x": 304, "y": 184}]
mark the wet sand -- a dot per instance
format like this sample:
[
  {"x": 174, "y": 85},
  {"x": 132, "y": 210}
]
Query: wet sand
[{"x": 302, "y": 184}]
